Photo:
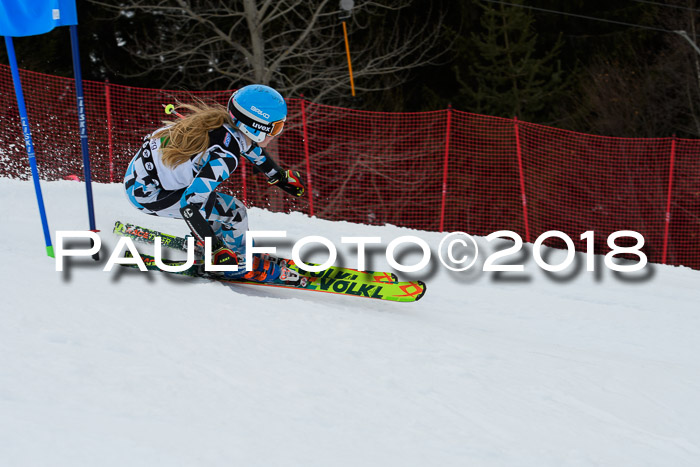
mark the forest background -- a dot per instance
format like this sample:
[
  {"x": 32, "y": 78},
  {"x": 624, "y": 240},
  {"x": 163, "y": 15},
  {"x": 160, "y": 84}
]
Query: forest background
[{"x": 615, "y": 68}]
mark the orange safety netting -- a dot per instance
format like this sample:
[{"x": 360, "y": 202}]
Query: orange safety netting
[{"x": 446, "y": 170}]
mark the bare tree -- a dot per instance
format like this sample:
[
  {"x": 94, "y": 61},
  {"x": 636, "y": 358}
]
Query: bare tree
[
  {"x": 649, "y": 85},
  {"x": 684, "y": 58},
  {"x": 296, "y": 46}
]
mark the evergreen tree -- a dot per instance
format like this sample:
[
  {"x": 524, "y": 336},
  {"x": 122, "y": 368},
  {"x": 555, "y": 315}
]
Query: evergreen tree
[{"x": 508, "y": 75}]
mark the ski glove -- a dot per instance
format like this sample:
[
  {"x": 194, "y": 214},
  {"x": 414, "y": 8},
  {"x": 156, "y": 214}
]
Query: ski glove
[{"x": 289, "y": 181}]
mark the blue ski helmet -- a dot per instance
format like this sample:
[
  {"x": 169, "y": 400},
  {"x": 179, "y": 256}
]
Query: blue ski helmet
[{"x": 258, "y": 110}]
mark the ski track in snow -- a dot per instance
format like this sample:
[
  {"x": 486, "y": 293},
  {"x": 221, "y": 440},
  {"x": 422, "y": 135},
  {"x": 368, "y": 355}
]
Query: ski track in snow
[{"x": 145, "y": 369}]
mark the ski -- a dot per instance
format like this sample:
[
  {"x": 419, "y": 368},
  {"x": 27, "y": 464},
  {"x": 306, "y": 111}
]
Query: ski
[
  {"x": 146, "y": 235},
  {"x": 336, "y": 281}
]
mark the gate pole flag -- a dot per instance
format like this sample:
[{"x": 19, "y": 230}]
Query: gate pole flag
[{"x": 19, "y": 18}]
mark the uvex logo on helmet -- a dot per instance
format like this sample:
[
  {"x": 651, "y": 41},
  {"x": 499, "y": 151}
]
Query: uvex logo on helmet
[
  {"x": 259, "y": 112},
  {"x": 260, "y": 126}
]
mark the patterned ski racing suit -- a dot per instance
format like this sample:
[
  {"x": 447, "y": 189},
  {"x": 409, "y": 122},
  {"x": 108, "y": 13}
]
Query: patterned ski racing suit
[{"x": 159, "y": 190}]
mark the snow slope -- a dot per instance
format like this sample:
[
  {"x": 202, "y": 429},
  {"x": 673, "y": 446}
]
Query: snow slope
[{"x": 518, "y": 369}]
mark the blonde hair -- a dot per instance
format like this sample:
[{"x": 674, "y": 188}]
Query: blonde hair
[{"x": 188, "y": 136}]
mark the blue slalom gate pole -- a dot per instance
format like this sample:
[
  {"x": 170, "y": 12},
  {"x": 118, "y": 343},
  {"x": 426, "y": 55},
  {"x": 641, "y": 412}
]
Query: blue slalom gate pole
[
  {"x": 28, "y": 141},
  {"x": 82, "y": 120}
]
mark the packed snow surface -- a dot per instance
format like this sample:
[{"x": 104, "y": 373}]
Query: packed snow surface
[{"x": 126, "y": 368}]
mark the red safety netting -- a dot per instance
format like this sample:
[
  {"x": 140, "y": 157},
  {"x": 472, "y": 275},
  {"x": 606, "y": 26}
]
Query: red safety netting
[{"x": 443, "y": 171}]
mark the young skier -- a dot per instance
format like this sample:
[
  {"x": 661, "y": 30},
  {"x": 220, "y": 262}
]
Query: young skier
[{"x": 179, "y": 166}]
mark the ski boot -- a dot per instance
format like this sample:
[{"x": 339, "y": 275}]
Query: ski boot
[{"x": 263, "y": 270}]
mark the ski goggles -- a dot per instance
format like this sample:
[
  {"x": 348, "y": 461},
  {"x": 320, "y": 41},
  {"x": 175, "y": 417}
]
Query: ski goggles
[
  {"x": 277, "y": 127},
  {"x": 272, "y": 129}
]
